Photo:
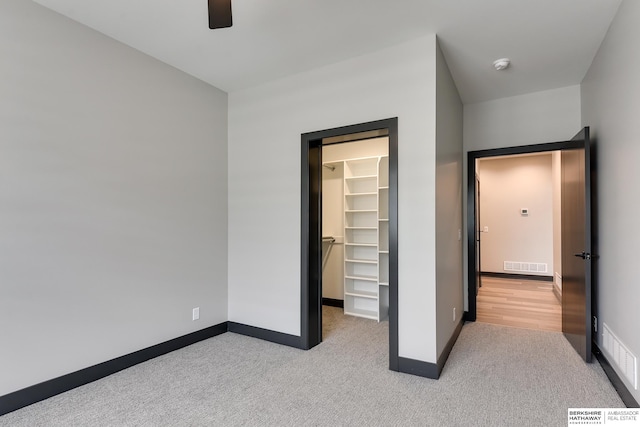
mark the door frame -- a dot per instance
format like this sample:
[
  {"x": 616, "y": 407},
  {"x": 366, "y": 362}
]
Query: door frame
[
  {"x": 478, "y": 241},
  {"x": 311, "y": 231},
  {"x": 472, "y": 156}
]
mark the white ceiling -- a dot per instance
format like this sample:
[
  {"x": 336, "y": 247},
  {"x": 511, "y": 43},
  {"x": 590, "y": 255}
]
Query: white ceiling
[{"x": 551, "y": 42}]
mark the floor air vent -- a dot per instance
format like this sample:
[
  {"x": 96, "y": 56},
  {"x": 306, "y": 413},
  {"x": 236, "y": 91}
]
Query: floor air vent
[{"x": 527, "y": 267}]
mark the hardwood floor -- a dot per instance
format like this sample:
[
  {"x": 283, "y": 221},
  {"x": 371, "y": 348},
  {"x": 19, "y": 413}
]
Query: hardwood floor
[{"x": 529, "y": 304}]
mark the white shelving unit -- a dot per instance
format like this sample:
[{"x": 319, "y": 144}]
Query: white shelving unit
[
  {"x": 383, "y": 237},
  {"x": 366, "y": 237}
]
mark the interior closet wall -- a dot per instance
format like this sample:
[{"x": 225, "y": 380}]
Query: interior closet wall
[
  {"x": 333, "y": 226},
  {"x": 333, "y": 207}
]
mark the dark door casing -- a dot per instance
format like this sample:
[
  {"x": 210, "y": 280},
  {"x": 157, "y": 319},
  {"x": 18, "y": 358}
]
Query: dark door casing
[
  {"x": 478, "y": 234},
  {"x": 311, "y": 230},
  {"x": 578, "y": 280}
]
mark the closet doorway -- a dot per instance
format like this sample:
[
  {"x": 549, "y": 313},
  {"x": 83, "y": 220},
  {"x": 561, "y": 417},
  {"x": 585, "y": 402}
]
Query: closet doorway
[{"x": 356, "y": 238}]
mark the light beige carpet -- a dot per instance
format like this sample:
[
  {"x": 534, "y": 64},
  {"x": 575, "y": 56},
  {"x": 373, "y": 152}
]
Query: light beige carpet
[{"x": 495, "y": 376}]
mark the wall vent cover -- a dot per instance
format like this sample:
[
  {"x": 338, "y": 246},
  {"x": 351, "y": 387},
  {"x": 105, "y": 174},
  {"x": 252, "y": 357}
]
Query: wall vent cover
[
  {"x": 622, "y": 357},
  {"x": 528, "y": 267}
]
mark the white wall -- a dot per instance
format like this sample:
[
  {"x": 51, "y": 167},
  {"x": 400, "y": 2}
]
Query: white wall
[
  {"x": 611, "y": 106},
  {"x": 113, "y": 189},
  {"x": 333, "y": 225},
  {"x": 449, "y": 281},
  {"x": 547, "y": 116},
  {"x": 265, "y": 124},
  {"x": 506, "y": 186}
]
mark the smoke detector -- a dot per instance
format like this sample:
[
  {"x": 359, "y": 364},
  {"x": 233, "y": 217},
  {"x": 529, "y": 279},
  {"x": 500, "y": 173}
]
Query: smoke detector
[{"x": 501, "y": 64}]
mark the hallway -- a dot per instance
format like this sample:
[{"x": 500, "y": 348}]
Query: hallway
[{"x": 529, "y": 304}]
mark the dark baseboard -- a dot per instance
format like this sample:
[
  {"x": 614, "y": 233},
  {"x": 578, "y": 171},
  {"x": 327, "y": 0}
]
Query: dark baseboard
[
  {"x": 266, "y": 334},
  {"x": 447, "y": 349},
  {"x": 615, "y": 380},
  {"x": 418, "y": 367},
  {"x": 426, "y": 369},
  {"x": 35, "y": 393},
  {"x": 333, "y": 302},
  {"x": 517, "y": 276}
]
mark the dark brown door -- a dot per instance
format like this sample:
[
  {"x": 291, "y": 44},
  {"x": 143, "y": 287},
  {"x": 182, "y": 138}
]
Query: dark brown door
[{"x": 576, "y": 246}]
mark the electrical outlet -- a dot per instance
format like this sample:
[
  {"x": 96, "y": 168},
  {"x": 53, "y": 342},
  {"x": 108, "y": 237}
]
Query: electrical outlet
[
  {"x": 454, "y": 314},
  {"x": 195, "y": 313}
]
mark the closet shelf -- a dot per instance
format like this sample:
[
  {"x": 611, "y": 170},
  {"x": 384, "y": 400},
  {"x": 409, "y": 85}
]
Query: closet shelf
[
  {"x": 361, "y": 211},
  {"x": 367, "y": 314},
  {"x": 355, "y": 178},
  {"x": 383, "y": 252},
  {"x": 374, "y": 193},
  {"x": 383, "y": 188},
  {"x": 361, "y": 228},
  {"x": 383, "y": 219},
  {"x": 364, "y": 278},
  {"x": 362, "y": 294},
  {"x": 370, "y": 245},
  {"x": 362, "y": 261}
]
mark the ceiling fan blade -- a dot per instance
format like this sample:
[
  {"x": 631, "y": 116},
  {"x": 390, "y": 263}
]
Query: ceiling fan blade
[{"x": 220, "y": 14}]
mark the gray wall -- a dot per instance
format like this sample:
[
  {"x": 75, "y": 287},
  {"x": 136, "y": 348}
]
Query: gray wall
[
  {"x": 546, "y": 116},
  {"x": 113, "y": 198},
  {"x": 449, "y": 283},
  {"x": 265, "y": 124},
  {"x": 611, "y": 106}
]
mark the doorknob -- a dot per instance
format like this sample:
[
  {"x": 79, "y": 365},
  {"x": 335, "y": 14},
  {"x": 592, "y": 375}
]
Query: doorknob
[{"x": 583, "y": 255}]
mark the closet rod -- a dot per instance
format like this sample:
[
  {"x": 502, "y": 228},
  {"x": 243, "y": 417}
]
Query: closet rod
[
  {"x": 331, "y": 168},
  {"x": 329, "y": 239}
]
